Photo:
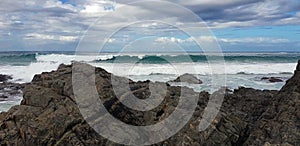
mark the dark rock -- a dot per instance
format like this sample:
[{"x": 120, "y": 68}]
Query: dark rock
[
  {"x": 4, "y": 78},
  {"x": 265, "y": 78},
  {"x": 3, "y": 97},
  {"x": 8, "y": 88},
  {"x": 279, "y": 124},
  {"x": 241, "y": 73},
  {"x": 272, "y": 79},
  {"x": 10, "y": 91},
  {"x": 49, "y": 115},
  {"x": 188, "y": 78}
]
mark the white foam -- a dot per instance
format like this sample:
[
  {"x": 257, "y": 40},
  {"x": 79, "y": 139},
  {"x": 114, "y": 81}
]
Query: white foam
[
  {"x": 62, "y": 58},
  {"x": 46, "y": 63},
  {"x": 197, "y": 68},
  {"x": 23, "y": 74},
  {"x": 26, "y": 73}
]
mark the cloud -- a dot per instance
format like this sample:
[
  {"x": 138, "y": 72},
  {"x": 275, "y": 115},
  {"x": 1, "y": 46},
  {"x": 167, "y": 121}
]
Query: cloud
[
  {"x": 169, "y": 40},
  {"x": 211, "y": 39},
  {"x": 254, "y": 40},
  {"x": 35, "y": 36},
  {"x": 54, "y": 20},
  {"x": 110, "y": 40},
  {"x": 261, "y": 13},
  {"x": 241, "y": 13}
]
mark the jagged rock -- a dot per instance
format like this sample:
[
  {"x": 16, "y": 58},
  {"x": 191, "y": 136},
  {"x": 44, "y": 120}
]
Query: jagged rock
[
  {"x": 10, "y": 91},
  {"x": 49, "y": 114},
  {"x": 279, "y": 124},
  {"x": 188, "y": 78},
  {"x": 3, "y": 96},
  {"x": 4, "y": 78}
]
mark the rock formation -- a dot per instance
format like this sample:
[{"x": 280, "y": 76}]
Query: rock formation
[
  {"x": 4, "y": 78},
  {"x": 9, "y": 90},
  {"x": 188, "y": 78},
  {"x": 280, "y": 124},
  {"x": 48, "y": 114},
  {"x": 272, "y": 79}
]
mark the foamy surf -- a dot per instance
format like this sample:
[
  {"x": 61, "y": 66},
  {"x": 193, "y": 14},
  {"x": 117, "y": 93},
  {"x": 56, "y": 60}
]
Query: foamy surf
[
  {"x": 240, "y": 69},
  {"x": 150, "y": 65}
]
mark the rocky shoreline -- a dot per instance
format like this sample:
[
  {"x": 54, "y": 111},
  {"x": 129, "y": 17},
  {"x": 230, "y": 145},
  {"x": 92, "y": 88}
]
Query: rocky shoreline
[
  {"x": 9, "y": 91},
  {"x": 48, "y": 114}
]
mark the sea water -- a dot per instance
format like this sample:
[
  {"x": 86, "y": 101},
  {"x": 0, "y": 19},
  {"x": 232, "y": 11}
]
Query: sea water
[{"x": 240, "y": 69}]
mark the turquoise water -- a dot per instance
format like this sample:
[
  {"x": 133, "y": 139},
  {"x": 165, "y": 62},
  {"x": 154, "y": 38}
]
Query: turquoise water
[
  {"x": 25, "y": 58},
  {"x": 240, "y": 69},
  {"x": 238, "y": 58}
]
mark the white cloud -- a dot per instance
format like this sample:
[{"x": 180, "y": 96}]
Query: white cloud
[
  {"x": 147, "y": 25},
  {"x": 110, "y": 40},
  {"x": 212, "y": 39},
  {"x": 98, "y": 7},
  {"x": 188, "y": 40},
  {"x": 254, "y": 40},
  {"x": 53, "y": 20},
  {"x": 36, "y": 36},
  {"x": 169, "y": 40}
]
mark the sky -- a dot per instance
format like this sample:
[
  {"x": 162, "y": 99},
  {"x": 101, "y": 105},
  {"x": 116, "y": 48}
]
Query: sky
[{"x": 136, "y": 25}]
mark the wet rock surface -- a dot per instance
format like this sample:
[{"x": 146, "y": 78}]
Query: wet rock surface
[
  {"x": 272, "y": 79},
  {"x": 9, "y": 90},
  {"x": 4, "y": 78},
  {"x": 188, "y": 78},
  {"x": 49, "y": 114}
]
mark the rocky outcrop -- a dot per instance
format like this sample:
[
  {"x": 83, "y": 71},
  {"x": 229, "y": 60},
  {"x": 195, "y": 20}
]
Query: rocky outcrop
[
  {"x": 9, "y": 90},
  {"x": 188, "y": 78},
  {"x": 272, "y": 79},
  {"x": 49, "y": 115},
  {"x": 4, "y": 78},
  {"x": 280, "y": 124}
]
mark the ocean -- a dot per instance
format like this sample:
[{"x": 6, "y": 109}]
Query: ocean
[{"x": 241, "y": 69}]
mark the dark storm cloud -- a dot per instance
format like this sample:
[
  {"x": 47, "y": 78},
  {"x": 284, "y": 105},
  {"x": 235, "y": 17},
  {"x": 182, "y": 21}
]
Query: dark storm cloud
[
  {"x": 254, "y": 12},
  {"x": 262, "y": 12}
]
